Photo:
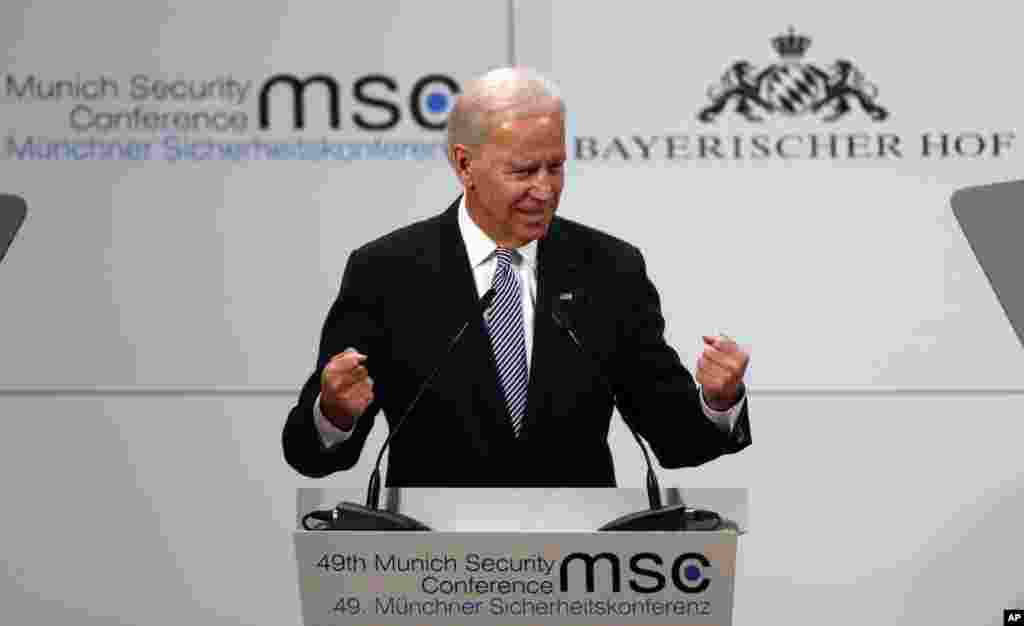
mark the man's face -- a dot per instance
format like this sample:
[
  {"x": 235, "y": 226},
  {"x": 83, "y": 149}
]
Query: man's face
[{"x": 517, "y": 178}]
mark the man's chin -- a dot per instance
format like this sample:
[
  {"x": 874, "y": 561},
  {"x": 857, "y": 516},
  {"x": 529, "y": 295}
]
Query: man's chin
[
  {"x": 537, "y": 229},
  {"x": 524, "y": 234}
]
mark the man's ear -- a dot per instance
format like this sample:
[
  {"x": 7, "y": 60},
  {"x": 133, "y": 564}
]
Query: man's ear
[{"x": 463, "y": 159}]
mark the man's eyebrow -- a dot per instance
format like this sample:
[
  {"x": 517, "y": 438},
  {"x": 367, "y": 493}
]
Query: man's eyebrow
[{"x": 532, "y": 163}]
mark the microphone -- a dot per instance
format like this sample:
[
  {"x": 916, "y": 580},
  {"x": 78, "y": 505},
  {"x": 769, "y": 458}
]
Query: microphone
[
  {"x": 373, "y": 490},
  {"x": 351, "y": 516},
  {"x": 657, "y": 517},
  {"x": 12, "y": 216}
]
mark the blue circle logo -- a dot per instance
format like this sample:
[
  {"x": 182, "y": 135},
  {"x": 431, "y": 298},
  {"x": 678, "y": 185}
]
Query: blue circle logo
[
  {"x": 692, "y": 572},
  {"x": 438, "y": 102},
  {"x": 690, "y": 577}
]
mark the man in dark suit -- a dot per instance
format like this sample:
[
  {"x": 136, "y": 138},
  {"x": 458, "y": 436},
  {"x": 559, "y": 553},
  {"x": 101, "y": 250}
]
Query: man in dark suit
[{"x": 517, "y": 403}]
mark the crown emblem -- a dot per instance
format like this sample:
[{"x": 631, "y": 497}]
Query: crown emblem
[{"x": 791, "y": 45}]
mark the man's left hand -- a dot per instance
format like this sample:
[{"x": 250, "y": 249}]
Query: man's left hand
[{"x": 720, "y": 370}]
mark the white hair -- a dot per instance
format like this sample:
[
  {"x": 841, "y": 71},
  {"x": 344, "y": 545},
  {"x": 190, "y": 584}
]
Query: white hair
[{"x": 512, "y": 91}]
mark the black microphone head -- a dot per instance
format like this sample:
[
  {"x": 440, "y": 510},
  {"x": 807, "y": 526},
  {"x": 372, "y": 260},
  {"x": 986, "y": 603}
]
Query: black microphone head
[
  {"x": 489, "y": 296},
  {"x": 564, "y": 308},
  {"x": 564, "y": 324},
  {"x": 556, "y": 314}
]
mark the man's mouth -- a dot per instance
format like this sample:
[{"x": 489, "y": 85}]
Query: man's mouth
[
  {"x": 538, "y": 212},
  {"x": 534, "y": 218}
]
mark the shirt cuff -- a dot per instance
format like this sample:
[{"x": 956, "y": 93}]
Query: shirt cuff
[
  {"x": 725, "y": 420},
  {"x": 330, "y": 435}
]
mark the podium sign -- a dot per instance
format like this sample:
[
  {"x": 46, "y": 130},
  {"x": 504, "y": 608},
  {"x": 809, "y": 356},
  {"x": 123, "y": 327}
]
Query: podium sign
[{"x": 479, "y": 579}]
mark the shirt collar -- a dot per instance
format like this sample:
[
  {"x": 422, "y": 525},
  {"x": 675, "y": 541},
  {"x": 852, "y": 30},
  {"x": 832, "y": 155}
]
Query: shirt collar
[{"x": 479, "y": 246}]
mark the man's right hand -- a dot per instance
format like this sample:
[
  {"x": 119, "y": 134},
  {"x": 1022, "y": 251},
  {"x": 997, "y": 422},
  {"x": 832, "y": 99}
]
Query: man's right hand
[{"x": 346, "y": 388}]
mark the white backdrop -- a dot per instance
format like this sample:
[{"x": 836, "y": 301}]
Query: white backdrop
[
  {"x": 839, "y": 272},
  {"x": 211, "y": 273},
  {"x": 156, "y": 318}
]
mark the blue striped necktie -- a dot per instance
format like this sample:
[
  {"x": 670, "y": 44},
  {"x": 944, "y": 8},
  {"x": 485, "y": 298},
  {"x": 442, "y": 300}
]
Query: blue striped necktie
[{"x": 505, "y": 325}]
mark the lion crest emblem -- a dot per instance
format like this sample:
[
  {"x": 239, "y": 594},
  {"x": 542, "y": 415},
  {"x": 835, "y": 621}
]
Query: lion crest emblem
[{"x": 792, "y": 88}]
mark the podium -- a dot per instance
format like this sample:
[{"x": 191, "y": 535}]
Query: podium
[{"x": 483, "y": 566}]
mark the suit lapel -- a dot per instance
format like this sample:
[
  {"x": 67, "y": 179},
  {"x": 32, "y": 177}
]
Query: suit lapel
[
  {"x": 557, "y": 274},
  {"x": 457, "y": 285},
  {"x": 488, "y": 421}
]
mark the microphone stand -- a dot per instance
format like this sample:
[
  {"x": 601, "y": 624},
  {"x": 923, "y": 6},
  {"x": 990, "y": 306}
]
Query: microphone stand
[
  {"x": 352, "y": 516},
  {"x": 657, "y": 517}
]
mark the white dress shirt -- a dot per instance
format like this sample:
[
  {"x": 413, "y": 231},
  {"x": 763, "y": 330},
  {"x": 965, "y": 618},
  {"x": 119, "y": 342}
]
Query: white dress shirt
[{"x": 480, "y": 248}]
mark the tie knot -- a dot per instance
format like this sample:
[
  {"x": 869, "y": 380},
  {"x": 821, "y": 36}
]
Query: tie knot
[{"x": 507, "y": 257}]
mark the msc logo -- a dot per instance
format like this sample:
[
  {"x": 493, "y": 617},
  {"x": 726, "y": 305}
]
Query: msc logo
[
  {"x": 686, "y": 572},
  {"x": 792, "y": 88},
  {"x": 429, "y": 103}
]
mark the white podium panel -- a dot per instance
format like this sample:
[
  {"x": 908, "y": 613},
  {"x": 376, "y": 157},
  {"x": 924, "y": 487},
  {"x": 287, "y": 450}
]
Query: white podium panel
[
  {"x": 531, "y": 510},
  {"x": 455, "y": 579}
]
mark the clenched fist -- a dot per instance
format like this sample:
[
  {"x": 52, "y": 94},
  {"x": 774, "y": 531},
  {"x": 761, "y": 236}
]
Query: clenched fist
[
  {"x": 346, "y": 388},
  {"x": 720, "y": 370}
]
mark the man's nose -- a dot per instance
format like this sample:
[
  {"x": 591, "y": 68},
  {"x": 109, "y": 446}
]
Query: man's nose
[{"x": 544, "y": 188}]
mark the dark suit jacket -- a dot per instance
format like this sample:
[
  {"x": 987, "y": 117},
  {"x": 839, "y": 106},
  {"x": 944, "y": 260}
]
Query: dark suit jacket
[{"x": 402, "y": 299}]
